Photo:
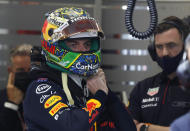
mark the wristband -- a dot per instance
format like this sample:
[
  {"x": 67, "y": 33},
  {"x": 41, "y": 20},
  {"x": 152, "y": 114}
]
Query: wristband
[
  {"x": 11, "y": 106},
  {"x": 144, "y": 127}
]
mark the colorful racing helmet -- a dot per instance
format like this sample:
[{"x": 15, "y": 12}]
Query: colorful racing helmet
[{"x": 71, "y": 23}]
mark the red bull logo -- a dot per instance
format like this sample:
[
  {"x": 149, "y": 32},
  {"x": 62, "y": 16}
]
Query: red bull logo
[{"x": 91, "y": 106}]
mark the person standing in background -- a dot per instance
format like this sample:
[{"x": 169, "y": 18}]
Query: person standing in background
[
  {"x": 156, "y": 101},
  {"x": 11, "y": 97}
]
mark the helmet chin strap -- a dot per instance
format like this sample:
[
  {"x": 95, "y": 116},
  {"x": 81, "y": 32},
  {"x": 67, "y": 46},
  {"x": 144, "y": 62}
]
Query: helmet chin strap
[{"x": 66, "y": 89}]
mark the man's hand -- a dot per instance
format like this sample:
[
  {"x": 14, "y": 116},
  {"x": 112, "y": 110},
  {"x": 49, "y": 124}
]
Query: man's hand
[
  {"x": 97, "y": 82},
  {"x": 14, "y": 94},
  {"x": 152, "y": 127},
  {"x": 138, "y": 126}
]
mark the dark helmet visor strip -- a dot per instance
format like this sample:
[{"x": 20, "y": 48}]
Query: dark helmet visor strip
[{"x": 95, "y": 45}]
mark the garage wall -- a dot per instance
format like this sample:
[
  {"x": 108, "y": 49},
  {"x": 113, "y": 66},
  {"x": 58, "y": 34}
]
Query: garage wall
[{"x": 125, "y": 59}]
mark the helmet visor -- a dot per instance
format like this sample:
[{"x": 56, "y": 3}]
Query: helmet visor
[{"x": 81, "y": 45}]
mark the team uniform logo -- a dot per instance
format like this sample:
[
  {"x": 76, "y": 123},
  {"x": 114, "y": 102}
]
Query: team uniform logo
[
  {"x": 42, "y": 88},
  {"x": 56, "y": 108},
  {"x": 42, "y": 80},
  {"x": 43, "y": 97},
  {"x": 51, "y": 101},
  {"x": 91, "y": 106},
  {"x": 153, "y": 91}
]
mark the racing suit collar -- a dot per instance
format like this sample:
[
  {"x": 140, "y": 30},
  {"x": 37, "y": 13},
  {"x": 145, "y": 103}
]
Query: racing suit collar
[
  {"x": 163, "y": 78},
  {"x": 77, "y": 79}
]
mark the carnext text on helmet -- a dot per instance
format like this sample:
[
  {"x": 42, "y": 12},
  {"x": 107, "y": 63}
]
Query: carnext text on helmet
[{"x": 91, "y": 66}]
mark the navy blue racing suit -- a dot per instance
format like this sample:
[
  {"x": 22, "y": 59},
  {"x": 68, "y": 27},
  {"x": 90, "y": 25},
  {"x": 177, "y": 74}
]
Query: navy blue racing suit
[
  {"x": 158, "y": 100},
  {"x": 47, "y": 108}
]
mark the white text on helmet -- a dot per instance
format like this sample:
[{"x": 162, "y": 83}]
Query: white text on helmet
[
  {"x": 81, "y": 18},
  {"x": 86, "y": 67},
  {"x": 54, "y": 21}
]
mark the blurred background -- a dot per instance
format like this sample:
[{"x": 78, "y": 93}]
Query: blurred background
[{"x": 125, "y": 59}]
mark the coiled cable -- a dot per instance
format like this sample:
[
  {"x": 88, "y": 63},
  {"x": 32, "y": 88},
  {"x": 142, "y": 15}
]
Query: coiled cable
[{"x": 129, "y": 20}]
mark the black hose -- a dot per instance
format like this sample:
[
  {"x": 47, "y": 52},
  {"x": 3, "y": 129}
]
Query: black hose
[{"x": 129, "y": 20}]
